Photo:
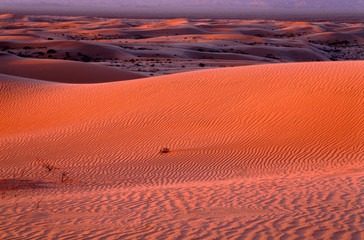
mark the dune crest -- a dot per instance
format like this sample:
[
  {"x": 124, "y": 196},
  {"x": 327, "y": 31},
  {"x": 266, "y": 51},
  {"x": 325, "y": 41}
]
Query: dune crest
[
  {"x": 256, "y": 152},
  {"x": 155, "y": 47}
]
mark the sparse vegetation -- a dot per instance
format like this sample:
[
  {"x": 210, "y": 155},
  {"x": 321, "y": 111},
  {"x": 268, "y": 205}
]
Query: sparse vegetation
[
  {"x": 49, "y": 167},
  {"x": 165, "y": 150},
  {"x": 334, "y": 48},
  {"x": 38, "y": 202},
  {"x": 64, "y": 177},
  {"x": 51, "y": 51},
  {"x": 46, "y": 165}
]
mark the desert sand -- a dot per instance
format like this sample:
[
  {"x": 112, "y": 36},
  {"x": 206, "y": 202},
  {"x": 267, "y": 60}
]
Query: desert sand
[
  {"x": 62, "y": 70},
  {"x": 266, "y": 151},
  {"x": 154, "y": 47}
]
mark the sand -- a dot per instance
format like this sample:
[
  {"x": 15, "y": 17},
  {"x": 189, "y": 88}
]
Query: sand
[
  {"x": 270, "y": 151},
  {"x": 155, "y": 47},
  {"x": 62, "y": 70}
]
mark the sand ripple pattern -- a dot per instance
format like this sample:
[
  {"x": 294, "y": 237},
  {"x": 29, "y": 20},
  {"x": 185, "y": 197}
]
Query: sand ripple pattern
[{"x": 273, "y": 151}]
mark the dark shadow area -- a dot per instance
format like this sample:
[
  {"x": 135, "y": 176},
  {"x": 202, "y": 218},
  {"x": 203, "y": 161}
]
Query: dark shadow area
[{"x": 21, "y": 184}]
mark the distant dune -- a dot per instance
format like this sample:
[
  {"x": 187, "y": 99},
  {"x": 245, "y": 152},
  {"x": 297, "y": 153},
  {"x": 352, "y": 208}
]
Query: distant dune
[
  {"x": 154, "y": 47},
  {"x": 270, "y": 151},
  {"x": 62, "y": 71}
]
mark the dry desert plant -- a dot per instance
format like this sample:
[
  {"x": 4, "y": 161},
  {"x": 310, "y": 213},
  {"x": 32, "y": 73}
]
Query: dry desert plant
[
  {"x": 164, "y": 150},
  {"x": 46, "y": 165}
]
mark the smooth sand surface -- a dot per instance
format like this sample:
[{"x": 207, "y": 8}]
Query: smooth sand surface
[
  {"x": 62, "y": 70},
  {"x": 269, "y": 151}
]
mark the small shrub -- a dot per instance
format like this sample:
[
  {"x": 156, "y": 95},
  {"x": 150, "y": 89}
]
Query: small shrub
[
  {"x": 64, "y": 177},
  {"x": 51, "y": 51},
  {"x": 46, "y": 165},
  {"x": 164, "y": 150},
  {"x": 49, "y": 167}
]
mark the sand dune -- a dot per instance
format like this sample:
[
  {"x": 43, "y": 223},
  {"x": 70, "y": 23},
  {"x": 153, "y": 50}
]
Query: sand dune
[
  {"x": 302, "y": 29},
  {"x": 180, "y": 30},
  {"x": 258, "y": 152},
  {"x": 334, "y": 38},
  {"x": 168, "y": 23},
  {"x": 92, "y": 51},
  {"x": 62, "y": 71},
  {"x": 23, "y": 39},
  {"x": 6, "y": 17},
  {"x": 163, "y": 46},
  {"x": 270, "y": 151},
  {"x": 232, "y": 37},
  {"x": 290, "y": 53}
]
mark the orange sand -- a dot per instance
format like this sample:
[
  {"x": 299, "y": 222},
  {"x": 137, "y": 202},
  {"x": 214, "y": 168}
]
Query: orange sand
[{"x": 259, "y": 152}]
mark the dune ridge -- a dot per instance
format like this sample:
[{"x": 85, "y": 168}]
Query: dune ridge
[
  {"x": 266, "y": 151},
  {"x": 154, "y": 47}
]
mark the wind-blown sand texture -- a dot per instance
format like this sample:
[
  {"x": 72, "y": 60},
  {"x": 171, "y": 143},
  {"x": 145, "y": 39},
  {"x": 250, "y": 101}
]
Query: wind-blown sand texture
[
  {"x": 270, "y": 151},
  {"x": 155, "y": 47}
]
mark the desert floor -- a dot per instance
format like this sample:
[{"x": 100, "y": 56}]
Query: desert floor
[
  {"x": 153, "y": 47},
  {"x": 264, "y": 122}
]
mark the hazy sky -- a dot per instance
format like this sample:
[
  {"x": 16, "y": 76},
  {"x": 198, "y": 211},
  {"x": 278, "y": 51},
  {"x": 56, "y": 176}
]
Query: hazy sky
[{"x": 266, "y": 4}]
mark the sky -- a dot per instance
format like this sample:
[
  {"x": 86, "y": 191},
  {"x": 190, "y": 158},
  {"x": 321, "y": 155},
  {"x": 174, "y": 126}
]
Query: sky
[{"x": 242, "y": 4}]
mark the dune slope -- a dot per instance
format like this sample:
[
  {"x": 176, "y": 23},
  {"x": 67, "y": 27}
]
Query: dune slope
[
  {"x": 272, "y": 151},
  {"x": 62, "y": 71},
  {"x": 156, "y": 47}
]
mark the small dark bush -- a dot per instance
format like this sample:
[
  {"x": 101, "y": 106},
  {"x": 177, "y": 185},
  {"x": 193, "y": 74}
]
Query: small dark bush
[
  {"x": 51, "y": 51},
  {"x": 164, "y": 150}
]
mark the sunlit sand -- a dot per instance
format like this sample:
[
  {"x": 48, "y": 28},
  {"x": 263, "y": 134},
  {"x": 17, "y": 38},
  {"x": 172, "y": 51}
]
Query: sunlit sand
[{"x": 273, "y": 150}]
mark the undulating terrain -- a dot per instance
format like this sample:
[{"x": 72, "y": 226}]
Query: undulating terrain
[
  {"x": 273, "y": 150},
  {"x": 154, "y": 47}
]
